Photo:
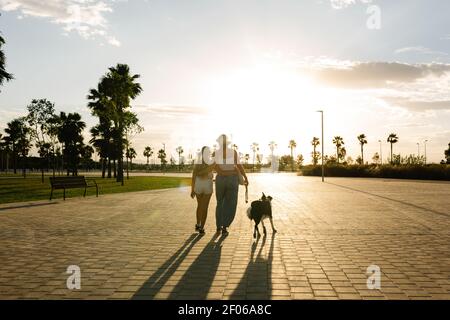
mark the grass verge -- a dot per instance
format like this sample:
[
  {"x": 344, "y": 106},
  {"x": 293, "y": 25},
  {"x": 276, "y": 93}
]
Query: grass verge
[{"x": 18, "y": 189}]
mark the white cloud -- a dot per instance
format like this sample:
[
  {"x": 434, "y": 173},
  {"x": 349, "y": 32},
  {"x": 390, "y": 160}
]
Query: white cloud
[
  {"x": 374, "y": 74},
  {"x": 421, "y": 50},
  {"x": 340, "y": 4},
  {"x": 418, "y": 105},
  {"x": 85, "y": 17}
]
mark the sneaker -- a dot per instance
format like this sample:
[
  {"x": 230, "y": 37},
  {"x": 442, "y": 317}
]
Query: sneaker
[
  {"x": 197, "y": 227},
  {"x": 201, "y": 230},
  {"x": 225, "y": 231}
]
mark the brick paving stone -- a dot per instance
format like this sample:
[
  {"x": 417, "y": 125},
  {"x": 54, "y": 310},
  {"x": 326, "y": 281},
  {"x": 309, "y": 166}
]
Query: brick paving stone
[{"x": 142, "y": 245}]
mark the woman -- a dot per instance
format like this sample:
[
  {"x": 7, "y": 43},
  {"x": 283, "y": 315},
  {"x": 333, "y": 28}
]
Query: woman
[
  {"x": 202, "y": 189},
  {"x": 228, "y": 168}
]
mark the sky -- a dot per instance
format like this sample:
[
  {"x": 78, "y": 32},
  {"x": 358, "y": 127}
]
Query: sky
[{"x": 257, "y": 70}]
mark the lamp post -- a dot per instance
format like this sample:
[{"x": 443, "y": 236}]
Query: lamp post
[
  {"x": 425, "y": 146},
  {"x": 381, "y": 152},
  {"x": 323, "y": 148},
  {"x": 418, "y": 150}
]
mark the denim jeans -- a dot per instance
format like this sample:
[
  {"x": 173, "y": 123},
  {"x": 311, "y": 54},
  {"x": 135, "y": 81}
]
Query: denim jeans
[{"x": 227, "y": 189}]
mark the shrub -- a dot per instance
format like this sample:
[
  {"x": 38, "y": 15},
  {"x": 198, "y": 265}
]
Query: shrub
[{"x": 428, "y": 172}]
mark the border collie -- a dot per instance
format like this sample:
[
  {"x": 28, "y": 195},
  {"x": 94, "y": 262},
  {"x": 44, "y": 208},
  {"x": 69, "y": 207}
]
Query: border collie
[{"x": 260, "y": 210}]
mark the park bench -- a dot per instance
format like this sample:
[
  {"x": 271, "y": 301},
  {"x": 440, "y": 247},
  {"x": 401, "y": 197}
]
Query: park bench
[{"x": 71, "y": 183}]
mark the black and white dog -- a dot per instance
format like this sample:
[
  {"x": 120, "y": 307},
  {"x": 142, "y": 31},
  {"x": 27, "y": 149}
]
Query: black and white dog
[{"x": 260, "y": 210}]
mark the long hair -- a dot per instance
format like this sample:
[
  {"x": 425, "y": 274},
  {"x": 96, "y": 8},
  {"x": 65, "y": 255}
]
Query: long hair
[
  {"x": 204, "y": 163},
  {"x": 202, "y": 168}
]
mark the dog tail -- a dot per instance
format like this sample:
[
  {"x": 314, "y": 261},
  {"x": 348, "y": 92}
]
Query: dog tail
[{"x": 249, "y": 213}]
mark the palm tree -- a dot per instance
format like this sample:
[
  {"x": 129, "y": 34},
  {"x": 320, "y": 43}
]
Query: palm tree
[
  {"x": 447, "y": 154},
  {"x": 131, "y": 154},
  {"x": 362, "y": 141},
  {"x": 292, "y": 146},
  {"x": 300, "y": 161},
  {"x": 179, "y": 151},
  {"x": 115, "y": 92},
  {"x": 102, "y": 133},
  {"x": 392, "y": 138},
  {"x": 339, "y": 142},
  {"x": 70, "y": 134},
  {"x": 3, "y": 74},
  {"x": 315, "y": 143},
  {"x": 255, "y": 149},
  {"x": 162, "y": 157},
  {"x": 148, "y": 152},
  {"x": 101, "y": 140}
]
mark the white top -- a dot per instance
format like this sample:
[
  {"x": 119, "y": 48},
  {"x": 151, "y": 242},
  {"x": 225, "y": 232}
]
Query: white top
[{"x": 230, "y": 161}]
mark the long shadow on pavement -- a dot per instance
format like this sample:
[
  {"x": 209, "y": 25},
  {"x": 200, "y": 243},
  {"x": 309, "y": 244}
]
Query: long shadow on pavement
[
  {"x": 154, "y": 284},
  {"x": 198, "y": 279},
  {"x": 256, "y": 283},
  {"x": 23, "y": 206}
]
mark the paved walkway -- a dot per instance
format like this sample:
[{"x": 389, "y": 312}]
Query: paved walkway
[{"x": 141, "y": 245}]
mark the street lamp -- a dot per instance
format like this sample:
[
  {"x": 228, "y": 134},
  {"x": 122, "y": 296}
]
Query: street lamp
[
  {"x": 323, "y": 148},
  {"x": 418, "y": 150},
  {"x": 425, "y": 145},
  {"x": 381, "y": 152}
]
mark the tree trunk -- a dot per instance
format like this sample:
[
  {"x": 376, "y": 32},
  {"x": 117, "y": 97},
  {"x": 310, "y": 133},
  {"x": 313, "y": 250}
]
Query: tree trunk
[
  {"x": 62, "y": 163},
  {"x": 103, "y": 168},
  {"x": 42, "y": 169},
  {"x": 24, "y": 168},
  {"x": 15, "y": 160},
  {"x": 362, "y": 155},
  {"x": 120, "y": 158},
  {"x": 314, "y": 155},
  {"x": 337, "y": 154},
  {"x": 120, "y": 170},
  {"x": 109, "y": 168},
  {"x": 114, "y": 169},
  {"x": 54, "y": 165},
  {"x": 128, "y": 170},
  {"x": 392, "y": 160},
  {"x": 7, "y": 162},
  {"x": 292, "y": 159}
]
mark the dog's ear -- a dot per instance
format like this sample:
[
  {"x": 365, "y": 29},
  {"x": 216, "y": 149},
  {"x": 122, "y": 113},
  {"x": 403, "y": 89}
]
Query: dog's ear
[
  {"x": 270, "y": 198},
  {"x": 263, "y": 196}
]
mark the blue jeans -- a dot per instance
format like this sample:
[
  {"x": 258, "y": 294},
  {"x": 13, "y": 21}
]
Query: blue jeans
[{"x": 227, "y": 189}]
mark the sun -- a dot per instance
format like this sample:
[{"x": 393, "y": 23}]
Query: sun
[{"x": 264, "y": 99}]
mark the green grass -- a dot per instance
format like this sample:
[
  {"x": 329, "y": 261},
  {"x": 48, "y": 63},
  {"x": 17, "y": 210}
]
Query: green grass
[{"x": 18, "y": 189}]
